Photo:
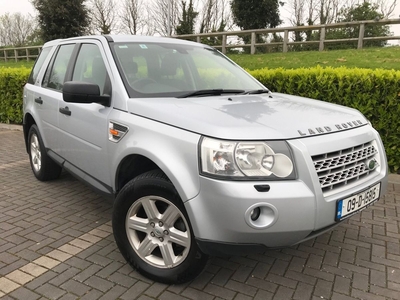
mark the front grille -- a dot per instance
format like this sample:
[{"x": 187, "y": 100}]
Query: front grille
[{"x": 342, "y": 167}]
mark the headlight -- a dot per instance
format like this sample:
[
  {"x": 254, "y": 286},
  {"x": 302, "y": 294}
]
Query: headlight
[{"x": 270, "y": 160}]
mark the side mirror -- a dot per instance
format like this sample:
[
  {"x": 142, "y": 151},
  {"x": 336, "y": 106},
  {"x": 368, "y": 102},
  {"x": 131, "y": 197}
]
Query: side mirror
[{"x": 84, "y": 92}]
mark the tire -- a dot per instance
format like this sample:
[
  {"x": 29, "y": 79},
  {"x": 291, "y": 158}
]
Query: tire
[
  {"x": 153, "y": 232},
  {"x": 43, "y": 167}
]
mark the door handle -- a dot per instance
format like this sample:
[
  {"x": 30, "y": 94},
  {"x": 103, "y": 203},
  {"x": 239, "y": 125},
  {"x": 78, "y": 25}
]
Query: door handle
[
  {"x": 39, "y": 100},
  {"x": 65, "y": 111}
]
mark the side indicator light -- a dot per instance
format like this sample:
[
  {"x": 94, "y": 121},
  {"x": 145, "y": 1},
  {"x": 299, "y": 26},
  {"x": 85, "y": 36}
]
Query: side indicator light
[
  {"x": 116, "y": 131},
  {"x": 113, "y": 132}
]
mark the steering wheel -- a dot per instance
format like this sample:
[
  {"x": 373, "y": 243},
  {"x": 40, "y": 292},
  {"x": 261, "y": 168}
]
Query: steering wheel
[{"x": 142, "y": 82}]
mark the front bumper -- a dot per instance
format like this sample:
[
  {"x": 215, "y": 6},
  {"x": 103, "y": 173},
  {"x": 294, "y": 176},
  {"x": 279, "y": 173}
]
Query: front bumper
[
  {"x": 218, "y": 213},
  {"x": 292, "y": 211}
]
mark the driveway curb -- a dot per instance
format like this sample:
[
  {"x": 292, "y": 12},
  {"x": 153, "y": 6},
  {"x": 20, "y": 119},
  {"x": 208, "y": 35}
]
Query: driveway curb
[{"x": 11, "y": 127}]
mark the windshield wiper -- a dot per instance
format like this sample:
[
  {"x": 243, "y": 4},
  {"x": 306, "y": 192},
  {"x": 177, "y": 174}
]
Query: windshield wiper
[
  {"x": 254, "y": 92},
  {"x": 213, "y": 92}
]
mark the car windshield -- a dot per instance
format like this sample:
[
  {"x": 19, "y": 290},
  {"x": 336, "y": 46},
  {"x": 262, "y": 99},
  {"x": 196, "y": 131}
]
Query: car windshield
[{"x": 179, "y": 70}]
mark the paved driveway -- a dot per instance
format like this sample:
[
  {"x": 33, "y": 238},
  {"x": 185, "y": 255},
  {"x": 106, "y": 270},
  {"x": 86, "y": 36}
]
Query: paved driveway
[{"x": 56, "y": 243}]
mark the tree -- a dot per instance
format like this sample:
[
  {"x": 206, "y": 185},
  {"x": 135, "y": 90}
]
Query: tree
[
  {"x": 297, "y": 12},
  {"x": 103, "y": 16},
  {"x": 214, "y": 16},
  {"x": 386, "y": 7},
  {"x": 165, "y": 16},
  {"x": 256, "y": 14},
  {"x": 16, "y": 29},
  {"x": 328, "y": 11},
  {"x": 361, "y": 12},
  {"x": 297, "y": 19},
  {"x": 35, "y": 38},
  {"x": 61, "y": 18},
  {"x": 186, "y": 24},
  {"x": 132, "y": 17},
  {"x": 310, "y": 12}
]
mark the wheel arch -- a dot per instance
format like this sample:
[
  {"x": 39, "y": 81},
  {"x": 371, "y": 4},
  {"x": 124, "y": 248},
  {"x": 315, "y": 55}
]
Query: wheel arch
[
  {"x": 131, "y": 166},
  {"x": 27, "y": 124}
]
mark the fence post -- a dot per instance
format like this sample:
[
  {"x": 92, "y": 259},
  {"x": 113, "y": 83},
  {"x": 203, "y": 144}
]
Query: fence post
[
  {"x": 5, "y": 55},
  {"x": 361, "y": 36},
  {"x": 198, "y": 39},
  {"x": 224, "y": 44},
  {"x": 253, "y": 43},
  {"x": 27, "y": 54},
  {"x": 322, "y": 39},
  {"x": 16, "y": 55},
  {"x": 285, "y": 40}
]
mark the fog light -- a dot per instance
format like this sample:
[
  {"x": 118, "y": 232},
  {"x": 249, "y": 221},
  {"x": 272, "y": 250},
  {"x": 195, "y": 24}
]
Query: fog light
[
  {"x": 261, "y": 215},
  {"x": 255, "y": 214}
]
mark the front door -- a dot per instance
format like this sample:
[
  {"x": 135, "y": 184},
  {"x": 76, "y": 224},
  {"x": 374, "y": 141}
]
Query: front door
[{"x": 84, "y": 127}]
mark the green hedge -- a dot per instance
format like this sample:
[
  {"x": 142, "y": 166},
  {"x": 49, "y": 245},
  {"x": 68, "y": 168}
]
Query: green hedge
[
  {"x": 375, "y": 93},
  {"x": 12, "y": 81}
]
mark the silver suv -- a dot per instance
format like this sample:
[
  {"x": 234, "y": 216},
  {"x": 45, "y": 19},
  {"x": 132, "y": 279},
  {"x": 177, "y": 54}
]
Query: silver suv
[{"x": 200, "y": 157}]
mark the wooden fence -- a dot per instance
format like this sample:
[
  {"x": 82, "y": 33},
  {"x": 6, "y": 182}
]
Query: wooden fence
[
  {"x": 285, "y": 32},
  {"x": 20, "y": 53},
  {"x": 30, "y": 53}
]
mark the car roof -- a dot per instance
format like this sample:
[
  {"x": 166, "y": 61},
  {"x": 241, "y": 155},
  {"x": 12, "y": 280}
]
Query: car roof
[{"x": 125, "y": 38}]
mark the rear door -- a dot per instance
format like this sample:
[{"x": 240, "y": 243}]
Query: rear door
[
  {"x": 51, "y": 94},
  {"x": 33, "y": 101}
]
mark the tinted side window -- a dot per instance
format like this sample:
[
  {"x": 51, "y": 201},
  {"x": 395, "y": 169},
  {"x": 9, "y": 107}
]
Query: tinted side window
[
  {"x": 54, "y": 77},
  {"x": 90, "y": 67},
  {"x": 38, "y": 65}
]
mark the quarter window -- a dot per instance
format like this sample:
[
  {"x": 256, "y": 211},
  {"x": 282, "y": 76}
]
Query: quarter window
[{"x": 38, "y": 65}]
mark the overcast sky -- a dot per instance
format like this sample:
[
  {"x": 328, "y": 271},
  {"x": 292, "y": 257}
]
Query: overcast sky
[
  {"x": 25, "y": 7},
  {"x": 13, "y": 6}
]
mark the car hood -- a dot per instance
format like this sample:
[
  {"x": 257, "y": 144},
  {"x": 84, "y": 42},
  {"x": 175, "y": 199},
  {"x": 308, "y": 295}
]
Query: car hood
[{"x": 249, "y": 117}]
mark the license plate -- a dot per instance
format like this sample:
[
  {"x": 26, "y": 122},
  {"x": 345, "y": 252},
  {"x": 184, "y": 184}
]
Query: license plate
[{"x": 351, "y": 205}]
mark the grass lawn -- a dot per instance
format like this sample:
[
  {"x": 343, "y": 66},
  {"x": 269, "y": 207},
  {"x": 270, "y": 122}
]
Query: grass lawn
[
  {"x": 370, "y": 58},
  {"x": 13, "y": 64}
]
